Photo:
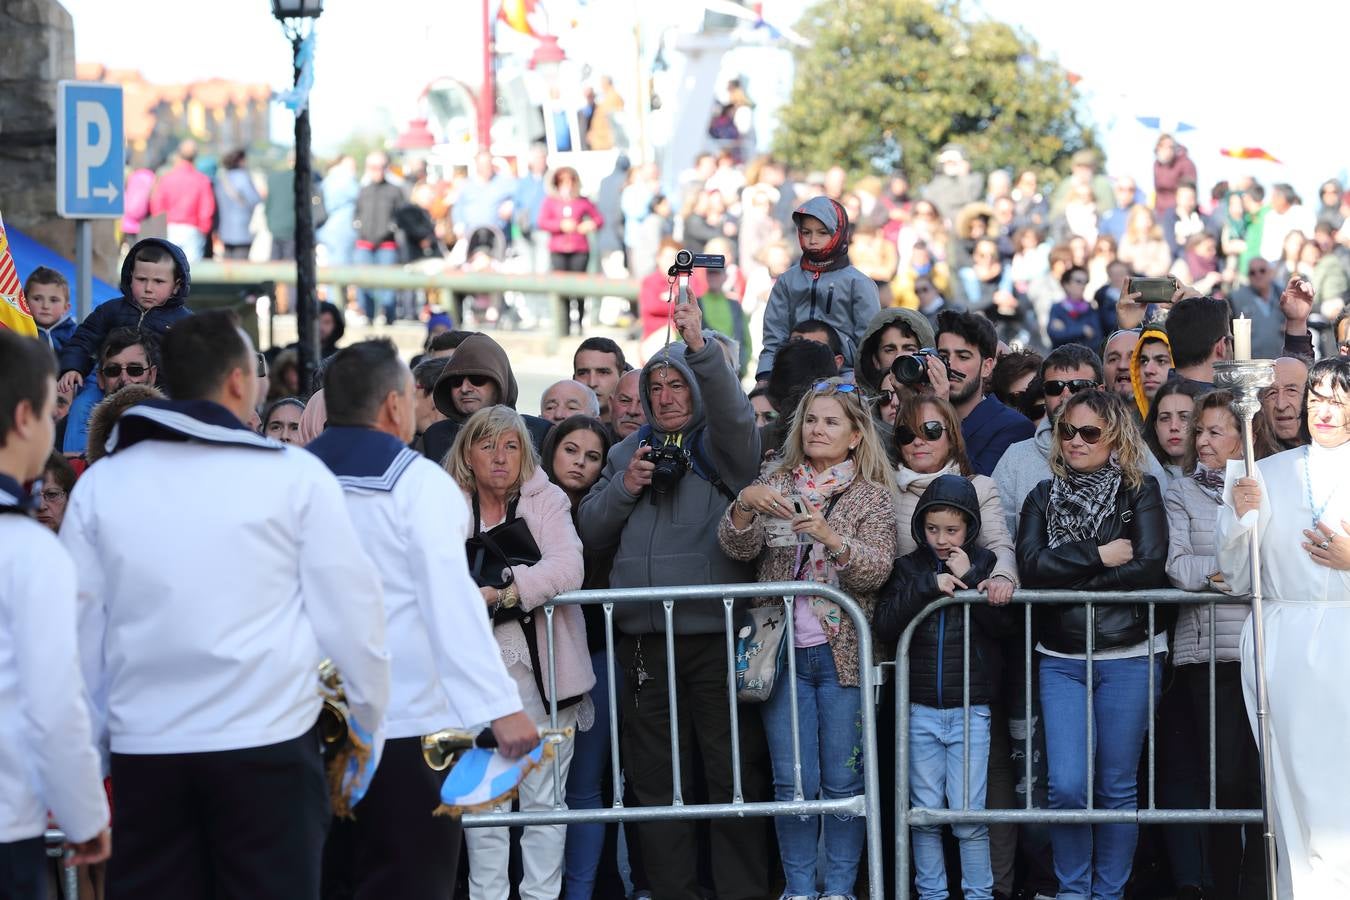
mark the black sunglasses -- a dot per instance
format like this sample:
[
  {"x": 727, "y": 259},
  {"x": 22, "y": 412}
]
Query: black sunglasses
[
  {"x": 1091, "y": 433},
  {"x": 1055, "y": 388},
  {"x": 886, "y": 398},
  {"x": 475, "y": 380},
  {"x": 114, "y": 370},
  {"x": 931, "y": 431}
]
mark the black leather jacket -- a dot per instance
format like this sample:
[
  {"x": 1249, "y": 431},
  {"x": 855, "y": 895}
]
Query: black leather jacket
[{"x": 1139, "y": 517}]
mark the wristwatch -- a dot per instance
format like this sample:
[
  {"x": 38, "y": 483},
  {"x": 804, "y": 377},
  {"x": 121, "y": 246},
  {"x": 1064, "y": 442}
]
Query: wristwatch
[
  {"x": 508, "y": 596},
  {"x": 743, "y": 506}
]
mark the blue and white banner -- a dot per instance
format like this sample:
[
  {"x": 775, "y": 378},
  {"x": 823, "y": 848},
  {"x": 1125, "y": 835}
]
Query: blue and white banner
[{"x": 297, "y": 98}]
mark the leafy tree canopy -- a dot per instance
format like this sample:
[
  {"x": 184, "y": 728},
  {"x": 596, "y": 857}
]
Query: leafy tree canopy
[{"x": 885, "y": 83}]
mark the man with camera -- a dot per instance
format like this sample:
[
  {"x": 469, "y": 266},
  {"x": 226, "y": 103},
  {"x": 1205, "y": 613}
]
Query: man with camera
[{"x": 656, "y": 507}]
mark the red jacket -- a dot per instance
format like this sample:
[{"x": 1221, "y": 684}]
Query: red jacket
[
  {"x": 1167, "y": 177},
  {"x": 551, "y": 215},
  {"x": 186, "y": 196}
]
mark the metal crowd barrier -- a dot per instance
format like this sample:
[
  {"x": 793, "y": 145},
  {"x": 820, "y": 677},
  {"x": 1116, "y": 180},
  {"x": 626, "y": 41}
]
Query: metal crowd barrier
[
  {"x": 866, "y": 805},
  {"x": 905, "y": 815}
]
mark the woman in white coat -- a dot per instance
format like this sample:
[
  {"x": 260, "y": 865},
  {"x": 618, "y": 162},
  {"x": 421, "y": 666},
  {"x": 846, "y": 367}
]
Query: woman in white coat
[{"x": 1300, "y": 506}]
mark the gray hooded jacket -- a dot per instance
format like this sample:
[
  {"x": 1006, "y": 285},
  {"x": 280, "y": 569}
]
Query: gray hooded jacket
[
  {"x": 844, "y": 298},
  {"x": 672, "y": 539}
]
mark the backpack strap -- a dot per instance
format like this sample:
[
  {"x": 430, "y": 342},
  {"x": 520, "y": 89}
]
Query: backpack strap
[{"x": 699, "y": 463}]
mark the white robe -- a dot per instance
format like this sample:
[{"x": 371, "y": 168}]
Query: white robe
[{"x": 1307, "y": 623}]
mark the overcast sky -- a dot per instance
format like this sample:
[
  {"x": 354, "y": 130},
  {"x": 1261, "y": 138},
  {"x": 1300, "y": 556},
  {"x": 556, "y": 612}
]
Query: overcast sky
[{"x": 1245, "y": 73}]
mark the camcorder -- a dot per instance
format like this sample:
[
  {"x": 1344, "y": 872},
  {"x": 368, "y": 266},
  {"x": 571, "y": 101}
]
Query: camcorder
[
  {"x": 911, "y": 369},
  {"x": 686, "y": 263},
  {"x": 670, "y": 460}
]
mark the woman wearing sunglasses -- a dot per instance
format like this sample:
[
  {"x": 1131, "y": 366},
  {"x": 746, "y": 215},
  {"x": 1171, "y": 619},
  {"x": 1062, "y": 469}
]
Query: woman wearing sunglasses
[
  {"x": 1097, "y": 524},
  {"x": 835, "y": 470}
]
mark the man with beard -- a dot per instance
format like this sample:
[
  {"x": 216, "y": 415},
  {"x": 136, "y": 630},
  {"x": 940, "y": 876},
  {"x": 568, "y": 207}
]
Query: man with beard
[
  {"x": 969, "y": 345},
  {"x": 1116, "y": 358}
]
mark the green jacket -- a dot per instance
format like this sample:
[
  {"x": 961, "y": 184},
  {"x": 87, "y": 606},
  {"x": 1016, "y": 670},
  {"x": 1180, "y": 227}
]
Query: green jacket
[{"x": 723, "y": 314}]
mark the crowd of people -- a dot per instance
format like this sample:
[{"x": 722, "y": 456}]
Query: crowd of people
[{"x": 219, "y": 535}]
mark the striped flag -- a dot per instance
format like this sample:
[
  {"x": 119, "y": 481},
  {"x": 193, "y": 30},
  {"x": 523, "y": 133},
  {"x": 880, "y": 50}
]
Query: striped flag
[
  {"x": 14, "y": 312},
  {"x": 1247, "y": 153},
  {"x": 482, "y": 779}
]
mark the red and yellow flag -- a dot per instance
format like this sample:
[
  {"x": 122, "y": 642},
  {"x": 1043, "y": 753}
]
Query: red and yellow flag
[
  {"x": 517, "y": 13},
  {"x": 1247, "y": 153},
  {"x": 14, "y": 312}
]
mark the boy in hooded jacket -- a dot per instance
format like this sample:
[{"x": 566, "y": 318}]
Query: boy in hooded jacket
[
  {"x": 945, "y": 525},
  {"x": 823, "y": 285},
  {"x": 155, "y": 284}
]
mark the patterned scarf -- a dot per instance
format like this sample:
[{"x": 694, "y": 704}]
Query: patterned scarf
[
  {"x": 834, "y": 255},
  {"x": 812, "y": 564},
  {"x": 1080, "y": 502},
  {"x": 1210, "y": 481}
]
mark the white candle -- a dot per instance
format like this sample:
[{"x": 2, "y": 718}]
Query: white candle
[{"x": 1242, "y": 338}]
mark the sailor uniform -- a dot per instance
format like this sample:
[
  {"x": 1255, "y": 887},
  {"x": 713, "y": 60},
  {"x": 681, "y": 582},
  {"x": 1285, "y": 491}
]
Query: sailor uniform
[
  {"x": 47, "y": 754},
  {"x": 445, "y": 670},
  {"x": 216, "y": 569}
]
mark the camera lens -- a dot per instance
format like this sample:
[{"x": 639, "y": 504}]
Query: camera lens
[
  {"x": 684, "y": 259},
  {"x": 909, "y": 370}
]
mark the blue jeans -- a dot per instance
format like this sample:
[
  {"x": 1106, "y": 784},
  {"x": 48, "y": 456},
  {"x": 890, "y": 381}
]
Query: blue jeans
[
  {"x": 936, "y": 763},
  {"x": 1092, "y": 862},
  {"x": 373, "y": 300},
  {"x": 830, "y": 718},
  {"x": 584, "y": 783}
]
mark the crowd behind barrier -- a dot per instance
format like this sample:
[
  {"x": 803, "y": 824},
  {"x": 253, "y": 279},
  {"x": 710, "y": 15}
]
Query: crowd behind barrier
[{"x": 892, "y": 453}]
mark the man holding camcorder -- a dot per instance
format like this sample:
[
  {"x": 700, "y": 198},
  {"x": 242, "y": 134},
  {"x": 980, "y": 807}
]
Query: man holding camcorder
[{"x": 656, "y": 507}]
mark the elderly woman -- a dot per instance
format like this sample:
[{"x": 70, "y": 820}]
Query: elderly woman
[
  {"x": 1193, "y": 504},
  {"x": 58, "y": 480},
  {"x": 1301, "y": 510},
  {"x": 834, "y": 470},
  {"x": 495, "y": 465},
  {"x": 1097, "y": 524}
]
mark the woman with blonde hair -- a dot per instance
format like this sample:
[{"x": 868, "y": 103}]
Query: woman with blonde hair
[
  {"x": 1142, "y": 245},
  {"x": 1097, "y": 524},
  {"x": 833, "y": 486},
  {"x": 494, "y": 462}
]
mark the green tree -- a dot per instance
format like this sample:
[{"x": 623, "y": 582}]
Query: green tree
[{"x": 887, "y": 82}]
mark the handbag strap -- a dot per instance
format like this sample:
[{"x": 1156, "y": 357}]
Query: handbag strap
[
  {"x": 477, "y": 518},
  {"x": 804, "y": 558}
]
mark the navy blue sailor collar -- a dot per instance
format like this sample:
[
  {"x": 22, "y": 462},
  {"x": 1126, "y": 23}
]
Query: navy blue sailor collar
[
  {"x": 363, "y": 458},
  {"x": 13, "y": 497},
  {"x": 199, "y": 421}
]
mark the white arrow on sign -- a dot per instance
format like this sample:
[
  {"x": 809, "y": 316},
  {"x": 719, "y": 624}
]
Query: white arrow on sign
[
  {"x": 108, "y": 193},
  {"x": 91, "y": 154}
]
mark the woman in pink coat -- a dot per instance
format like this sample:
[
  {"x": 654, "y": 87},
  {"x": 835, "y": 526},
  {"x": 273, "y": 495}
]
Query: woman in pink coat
[
  {"x": 494, "y": 462},
  {"x": 569, "y": 219}
]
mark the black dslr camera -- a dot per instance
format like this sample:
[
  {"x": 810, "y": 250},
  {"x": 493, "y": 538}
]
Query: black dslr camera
[
  {"x": 671, "y": 461},
  {"x": 911, "y": 369}
]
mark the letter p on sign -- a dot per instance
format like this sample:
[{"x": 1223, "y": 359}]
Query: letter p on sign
[{"x": 90, "y": 150}]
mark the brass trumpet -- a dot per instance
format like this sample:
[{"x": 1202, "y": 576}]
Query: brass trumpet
[
  {"x": 442, "y": 748},
  {"x": 333, "y": 717}
]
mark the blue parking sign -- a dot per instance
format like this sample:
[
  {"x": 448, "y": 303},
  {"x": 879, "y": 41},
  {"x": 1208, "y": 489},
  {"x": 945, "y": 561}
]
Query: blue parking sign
[{"x": 90, "y": 150}]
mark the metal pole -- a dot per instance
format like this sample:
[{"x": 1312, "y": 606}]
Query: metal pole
[
  {"x": 1246, "y": 378},
  {"x": 84, "y": 269},
  {"x": 487, "y": 94},
  {"x": 306, "y": 308}
]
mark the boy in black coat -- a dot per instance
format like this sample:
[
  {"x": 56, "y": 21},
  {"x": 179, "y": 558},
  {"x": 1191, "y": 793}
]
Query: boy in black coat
[{"x": 945, "y": 525}]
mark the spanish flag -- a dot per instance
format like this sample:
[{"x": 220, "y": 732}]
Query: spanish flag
[
  {"x": 1247, "y": 153},
  {"x": 517, "y": 13},
  {"x": 14, "y": 312}
]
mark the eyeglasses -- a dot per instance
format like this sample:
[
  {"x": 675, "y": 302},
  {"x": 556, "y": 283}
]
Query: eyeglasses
[
  {"x": 886, "y": 398},
  {"x": 53, "y": 495},
  {"x": 840, "y": 387},
  {"x": 930, "y": 431},
  {"x": 1055, "y": 388},
  {"x": 262, "y": 364},
  {"x": 1091, "y": 433},
  {"x": 114, "y": 370},
  {"x": 476, "y": 380}
]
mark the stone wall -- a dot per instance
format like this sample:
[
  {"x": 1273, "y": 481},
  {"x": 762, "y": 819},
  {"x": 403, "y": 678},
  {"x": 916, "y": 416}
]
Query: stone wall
[{"x": 37, "y": 44}]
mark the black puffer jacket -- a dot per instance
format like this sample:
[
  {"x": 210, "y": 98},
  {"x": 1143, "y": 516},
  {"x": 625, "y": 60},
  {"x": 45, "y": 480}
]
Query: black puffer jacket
[
  {"x": 1139, "y": 517},
  {"x": 937, "y": 648}
]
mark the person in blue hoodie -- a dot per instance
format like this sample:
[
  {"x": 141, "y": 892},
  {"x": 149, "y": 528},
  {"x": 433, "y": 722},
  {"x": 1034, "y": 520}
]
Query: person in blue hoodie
[
  {"x": 823, "y": 285},
  {"x": 1074, "y": 320},
  {"x": 48, "y": 295},
  {"x": 945, "y": 525},
  {"x": 155, "y": 284}
]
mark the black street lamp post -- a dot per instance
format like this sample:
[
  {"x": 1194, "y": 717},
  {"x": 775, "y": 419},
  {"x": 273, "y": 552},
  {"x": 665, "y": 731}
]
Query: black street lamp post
[{"x": 292, "y": 15}]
